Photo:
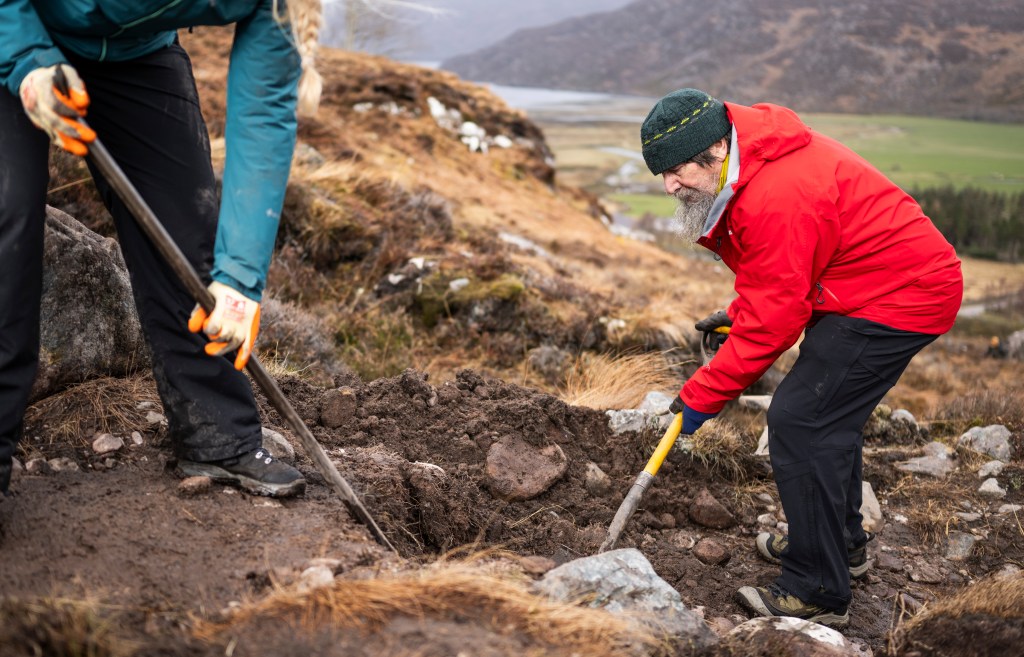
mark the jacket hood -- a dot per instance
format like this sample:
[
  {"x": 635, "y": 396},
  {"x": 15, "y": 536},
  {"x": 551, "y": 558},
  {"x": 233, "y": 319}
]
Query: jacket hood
[{"x": 765, "y": 132}]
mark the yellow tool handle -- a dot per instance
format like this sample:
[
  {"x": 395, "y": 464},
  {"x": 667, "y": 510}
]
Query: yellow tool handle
[
  {"x": 722, "y": 329},
  {"x": 665, "y": 445}
]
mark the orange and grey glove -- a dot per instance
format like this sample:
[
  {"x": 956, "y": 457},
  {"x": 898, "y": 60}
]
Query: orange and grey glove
[
  {"x": 55, "y": 100},
  {"x": 233, "y": 324}
]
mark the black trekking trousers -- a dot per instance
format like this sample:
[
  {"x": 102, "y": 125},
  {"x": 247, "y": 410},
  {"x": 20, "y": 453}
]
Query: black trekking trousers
[
  {"x": 845, "y": 367},
  {"x": 146, "y": 112}
]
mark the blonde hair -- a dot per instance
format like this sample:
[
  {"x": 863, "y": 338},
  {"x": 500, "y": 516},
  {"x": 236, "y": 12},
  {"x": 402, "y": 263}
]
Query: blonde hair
[{"x": 304, "y": 17}]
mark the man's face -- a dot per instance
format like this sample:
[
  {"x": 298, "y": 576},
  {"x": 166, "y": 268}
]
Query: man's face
[{"x": 695, "y": 187}]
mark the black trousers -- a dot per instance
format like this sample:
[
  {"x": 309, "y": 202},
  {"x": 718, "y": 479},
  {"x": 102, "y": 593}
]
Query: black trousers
[
  {"x": 845, "y": 367},
  {"x": 146, "y": 112}
]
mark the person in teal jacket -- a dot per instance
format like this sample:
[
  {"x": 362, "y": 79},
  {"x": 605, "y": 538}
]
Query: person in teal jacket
[{"x": 121, "y": 62}]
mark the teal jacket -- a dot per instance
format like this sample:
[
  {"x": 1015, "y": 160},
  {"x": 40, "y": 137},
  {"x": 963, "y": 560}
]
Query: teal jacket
[{"x": 262, "y": 82}]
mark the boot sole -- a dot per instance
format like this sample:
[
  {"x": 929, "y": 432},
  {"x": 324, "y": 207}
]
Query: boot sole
[
  {"x": 254, "y": 486},
  {"x": 762, "y": 546},
  {"x": 750, "y": 599}
]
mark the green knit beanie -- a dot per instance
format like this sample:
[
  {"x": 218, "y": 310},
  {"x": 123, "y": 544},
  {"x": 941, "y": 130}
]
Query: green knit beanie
[{"x": 681, "y": 125}]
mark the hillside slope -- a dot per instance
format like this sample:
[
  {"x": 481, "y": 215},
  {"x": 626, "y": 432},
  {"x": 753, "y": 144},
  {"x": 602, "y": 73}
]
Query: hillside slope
[{"x": 927, "y": 57}]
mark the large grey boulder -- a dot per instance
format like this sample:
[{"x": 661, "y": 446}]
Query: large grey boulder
[
  {"x": 89, "y": 327},
  {"x": 624, "y": 582}
]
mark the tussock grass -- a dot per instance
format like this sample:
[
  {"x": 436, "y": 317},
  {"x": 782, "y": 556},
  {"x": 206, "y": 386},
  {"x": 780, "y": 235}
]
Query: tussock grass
[
  {"x": 106, "y": 405},
  {"x": 930, "y": 509},
  {"x": 985, "y": 407},
  {"x": 605, "y": 382},
  {"x": 450, "y": 592},
  {"x": 722, "y": 448},
  {"x": 56, "y": 626}
]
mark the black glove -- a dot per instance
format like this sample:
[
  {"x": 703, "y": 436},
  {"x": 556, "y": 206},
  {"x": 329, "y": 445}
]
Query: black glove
[{"x": 713, "y": 321}]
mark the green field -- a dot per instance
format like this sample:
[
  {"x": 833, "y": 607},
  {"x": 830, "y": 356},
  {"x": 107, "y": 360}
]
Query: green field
[{"x": 913, "y": 151}]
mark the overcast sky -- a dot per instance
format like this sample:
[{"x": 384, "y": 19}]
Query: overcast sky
[{"x": 466, "y": 25}]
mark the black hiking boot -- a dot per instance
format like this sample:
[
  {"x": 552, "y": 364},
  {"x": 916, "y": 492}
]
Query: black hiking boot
[
  {"x": 773, "y": 600},
  {"x": 771, "y": 546},
  {"x": 256, "y": 471}
]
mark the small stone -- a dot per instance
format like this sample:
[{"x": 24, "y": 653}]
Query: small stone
[
  {"x": 709, "y": 512},
  {"x": 667, "y": 520},
  {"x": 136, "y": 438},
  {"x": 63, "y": 464},
  {"x": 991, "y": 469},
  {"x": 910, "y": 603},
  {"x": 155, "y": 418},
  {"x": 755, "y": 402},
  {"x": 684, "y": 540},
  {"x": 967, "y": 516},
  {"x": 762, "y": 444},
  {"x": 315, "y": 577},
  {"x": 277, "y": 444},
  {"x": 193, "y": 486},
  {"x": 597, "y": 483},
  {"x": 1008, "y": 570},
  {"x": 37, "y": 466},
  {"x": 926, "y": 574},
  {"x": 517, "y": 470},
  {"x": 721, "y": 625},
  {"x": 993, "y": 440},
  {"x": 536, "y": 564},
  {"x": 336, "y": 565},
  {"x": 106, "y": 443},
  {"x": 1009, "y": 508},
  {"x": 767, "y": 519},
  {"x": 991, "y": 488},
  {"x": 16, "y": 466},
  {"x": 146, "y": 406},
  {"x": 871, "y": 510},
  {"x": 766, "y": 498},
  {"x": 109, "y": 463},
  {"x": 711, "y": 552},
  {"x": 935, "y": 462},
  {"x": 959, "y": 545}
]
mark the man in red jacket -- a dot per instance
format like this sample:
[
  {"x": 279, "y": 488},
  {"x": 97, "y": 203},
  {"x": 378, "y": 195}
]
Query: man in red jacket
[{"x": 823, "y": 244}]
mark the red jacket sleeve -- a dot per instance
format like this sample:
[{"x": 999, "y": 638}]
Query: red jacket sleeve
[{"x": 783, "y": 249}]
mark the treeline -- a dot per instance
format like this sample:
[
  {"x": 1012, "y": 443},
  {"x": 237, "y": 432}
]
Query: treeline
[{"x": 977, "y": 222}]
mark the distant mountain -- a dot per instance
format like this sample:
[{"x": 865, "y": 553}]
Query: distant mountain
[{"x": 954, "y": 58}]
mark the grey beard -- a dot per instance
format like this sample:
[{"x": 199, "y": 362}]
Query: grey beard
[{"x": 691, "y": 215}]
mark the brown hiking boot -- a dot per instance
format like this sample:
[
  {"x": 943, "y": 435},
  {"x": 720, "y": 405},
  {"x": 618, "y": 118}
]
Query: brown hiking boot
[
  {"x": 772, "y": 600},
  {"x": 771, "y": 546}
]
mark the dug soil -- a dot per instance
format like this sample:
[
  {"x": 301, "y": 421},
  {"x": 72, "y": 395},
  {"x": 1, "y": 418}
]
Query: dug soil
[{"x": 123, "y": 533}]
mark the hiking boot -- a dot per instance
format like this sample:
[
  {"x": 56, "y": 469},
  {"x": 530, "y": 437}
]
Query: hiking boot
[
  {"x": 771, "y": 546},
  {"x": 257, "y": 472},
  {"x": 773, "y": 600}
]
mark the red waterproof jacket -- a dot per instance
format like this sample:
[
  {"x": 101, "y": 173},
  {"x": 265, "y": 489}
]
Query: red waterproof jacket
[{"x": 810, "y": 228}]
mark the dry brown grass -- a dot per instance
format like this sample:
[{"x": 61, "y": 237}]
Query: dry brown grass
[
  {"x": 450, "y": 592},
  {"x": 104, "y": 405},
  {"x": 604, "y": 382},
  {"x": 930, "y": 509},
  {"x": 721, "y": 447},
  {"x": 58, "y": 626}
]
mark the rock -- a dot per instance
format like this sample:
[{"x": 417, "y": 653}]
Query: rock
[
  {"x": 926, "y": 573},
  {"x": 889, "y": 561},
  {"x": 597, "y": 483},
  {"x": 785, "y": 636},
  {"x": 755, "y": 402},
  {"x": 314, "y": 577},
  {"x": 762, "y": 444},
  {"x": 1009, "y": 508},
  {"x": 536, "y": 564},
  {"x": 136, "y": 438},
  {"x": 277, "y": 444},
  {"x": 193, "y": 486},
  {"x": 684, "y": 540},
  {"x": 106, "y": 443},
  {"x": 903, "y": 415},
  {"x": 935, "y": 462},
  {"x": 910, "y": 603},
  {"x": 154, "y": 418},
  {"x": 709, "y": 512},
  {"x": 991, "y": 488},
  {"x": 767, "y": 519},
  {"x": 629, "y": 420},
  {"x": 337, "y": 407},
  {"x": 991, "y": 469},
  {"x": 517, "y": 470},
  {"x": 85, "y": 284},
  {"x": 871, "y": 510},
  {"x": 968, "y": 517},
  {"x": 959, "y": 545},
  {"x": 37, "y": 466},
  {"x": 623, "y": 582},
  {"x": 656, "y": 403},
  {"x": 549, "y": 361},
  {"x": 993, "y": 440},
  {"x": 721, "y": 625},
  {"x": 1008, "y": 570},
  {"x": 711, "y": 552},
  {"x": 63, "y": 464}
]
